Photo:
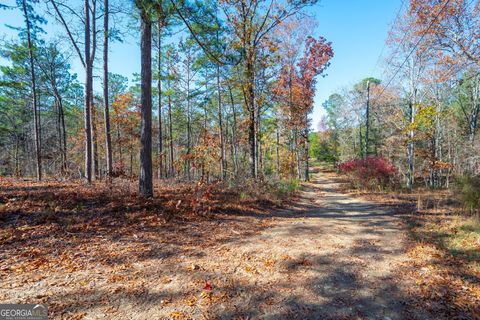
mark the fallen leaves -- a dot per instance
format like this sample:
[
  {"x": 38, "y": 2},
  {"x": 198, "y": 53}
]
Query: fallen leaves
[
  {"x": 178, "y": 315},
  {"x": 442, "y": 281},
  {"x": 305, "y": 262},
  {"x": 191, "y": 301},
  {"x": 269, "y": 263},
  {"x": 117, "y": 278},
  {"x": 251, "y": 270},
  {"x": 77, "y": 316},
  {"x": 69, "y": 244},
  {"x": 165, "y": 280},
  {"x": 193, "y": 267}
]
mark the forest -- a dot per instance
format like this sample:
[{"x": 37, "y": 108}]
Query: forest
[
  {"x": 216, "y": 92},
  {"x": 201, "y": 187}
]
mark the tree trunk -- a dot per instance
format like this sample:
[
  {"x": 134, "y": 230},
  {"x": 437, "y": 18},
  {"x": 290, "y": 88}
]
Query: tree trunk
[
  {"x": 258, "y": 143},
  {"x": 189, "y": 126},
  {"x": 277, "y": 149},
  {"x": 367, "y": 122},
  {"x": 297, "y": 154},
  {"x": 360, "y": 144},
  {"x": 234, "y": 133},
  {"x": 145, "y": 178},
  {"x": 64, "y": 136},
  {"x": 88, "y": 92},
  {"x": 36, "y": 112},
  {"x": 62, "y": 133},
  {"x": 16, "y": 157},
  {"x": 59, "y": 133},
  {"x": 93, "y": 110},
  {"x": 93, "y": 119},
  {"x": 223, "y": 163},
  {"x": 160, "y": 171},
  {"x": 410, "y": 148},
  {"x": 473, "y": 121},
  {"x": 108, "y": 139},
  {"x": 250, "y": 100},
  {"x": 306, "y": 150},
  {"x": 204, "y": 134},
  {"x": 170, "y": 133}
]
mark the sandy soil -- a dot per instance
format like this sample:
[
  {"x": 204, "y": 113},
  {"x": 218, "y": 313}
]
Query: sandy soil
[{"x": 331, "y": 256}]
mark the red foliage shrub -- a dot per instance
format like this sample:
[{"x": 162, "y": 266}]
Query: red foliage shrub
[
  {"x": 372, "y": 172},
  {"x": 119, "y": 169}
]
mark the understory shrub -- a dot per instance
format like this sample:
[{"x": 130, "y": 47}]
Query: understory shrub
[
  {"x": 119, "y": 169},
  {"x": 467, "y": 189},
  {"x": 286, "y": 188},
  {"x": 271, "y": 190},
  {"x": 374, "y": 172}
]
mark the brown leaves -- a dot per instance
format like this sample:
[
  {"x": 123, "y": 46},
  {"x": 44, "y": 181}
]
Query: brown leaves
[
  {"x": 442, "y": 281},
  {"x": 73, "y": 243}
]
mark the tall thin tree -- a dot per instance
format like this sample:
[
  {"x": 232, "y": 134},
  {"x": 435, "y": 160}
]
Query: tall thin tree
[
  {"x": 108, "y": 139},
  {"x": 36, "y": 112},
  {"x": 145, "y": 179},
  {"x": 86, "y": 60}
]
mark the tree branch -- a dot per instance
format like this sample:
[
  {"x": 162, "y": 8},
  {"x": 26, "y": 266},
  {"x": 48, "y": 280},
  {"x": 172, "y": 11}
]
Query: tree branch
[{"x": 69, "y": 33}]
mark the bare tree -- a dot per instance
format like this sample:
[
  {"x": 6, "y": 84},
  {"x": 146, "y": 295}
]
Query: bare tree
[
  {"x": 36, "y": 113},
  {"x": 86, "y": 58}
]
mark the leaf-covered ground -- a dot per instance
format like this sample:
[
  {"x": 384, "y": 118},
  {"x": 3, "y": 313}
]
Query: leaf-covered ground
[
  {"x": 443, "y": 254},
  {"x": 204, "y": 252},
  {"x": 87, "y": 250}
]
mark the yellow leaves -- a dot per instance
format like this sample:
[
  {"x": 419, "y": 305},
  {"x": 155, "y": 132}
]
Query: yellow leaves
[
  {"x": 205, "y": 295},
  {"x": 285, "y": 257},
  {"x": 178, "y": 315},
  {"x": 69, "y": 270},
  {"x": 191, "y": 301},
  {"x": 441, "y": 165},
  {"x": 269, "y": 263},
  {"x": 83, "y": 283},
  {"x": 424, "y": 119},
  {"x": 165, "y": 280},
  {"x": 17, "y": 269},
  {"x": 210, "y": 298},
  {"x": 251, "y": 270},
  {"x": 193, "y": 267}
]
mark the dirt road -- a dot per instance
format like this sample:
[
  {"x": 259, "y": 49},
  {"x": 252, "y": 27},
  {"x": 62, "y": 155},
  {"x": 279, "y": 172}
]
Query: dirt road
[{"x": 331, "y": 257}]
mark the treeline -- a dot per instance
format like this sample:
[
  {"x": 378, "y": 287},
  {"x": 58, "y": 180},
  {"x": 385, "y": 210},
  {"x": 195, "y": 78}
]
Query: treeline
[
  {"x": 423, "y": 117},
  {"x": 224, "y": 91}
]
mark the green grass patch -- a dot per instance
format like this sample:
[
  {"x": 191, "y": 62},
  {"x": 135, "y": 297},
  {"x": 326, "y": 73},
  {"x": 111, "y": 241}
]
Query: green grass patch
[{"x": 459, "y": 236}]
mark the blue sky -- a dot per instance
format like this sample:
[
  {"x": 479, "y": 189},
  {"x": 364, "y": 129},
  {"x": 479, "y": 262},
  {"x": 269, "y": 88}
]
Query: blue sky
[{"x": 357, "y": 29}]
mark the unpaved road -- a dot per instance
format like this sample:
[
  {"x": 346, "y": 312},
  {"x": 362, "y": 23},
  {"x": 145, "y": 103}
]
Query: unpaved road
[{"x": 331, "y": 257}]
